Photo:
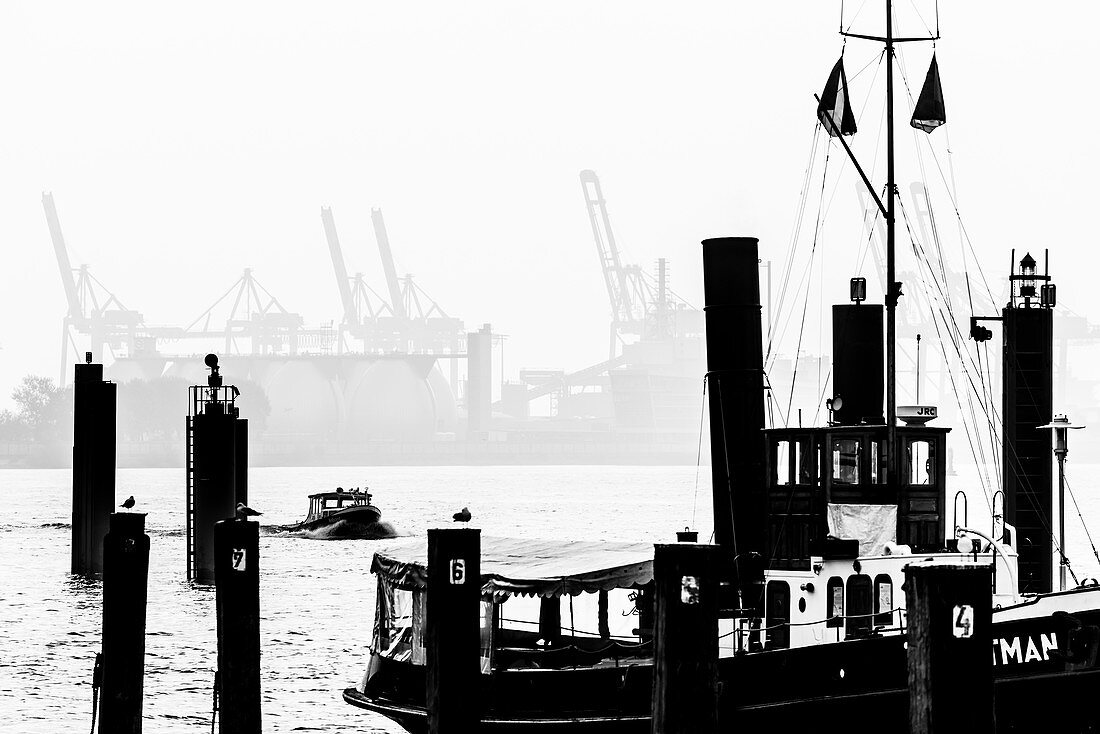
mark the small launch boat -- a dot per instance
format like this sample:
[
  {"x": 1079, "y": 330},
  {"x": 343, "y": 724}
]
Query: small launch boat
[{"x": 330, "y": 508}]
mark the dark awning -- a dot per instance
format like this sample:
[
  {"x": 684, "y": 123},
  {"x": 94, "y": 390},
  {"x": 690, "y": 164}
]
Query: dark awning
[{"x": 530, "y": 567}]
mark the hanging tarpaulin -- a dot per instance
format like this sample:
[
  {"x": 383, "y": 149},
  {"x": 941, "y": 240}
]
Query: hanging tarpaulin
[
  {"x": 835, "y": 105},
  {"x": 929, "y": 112}
]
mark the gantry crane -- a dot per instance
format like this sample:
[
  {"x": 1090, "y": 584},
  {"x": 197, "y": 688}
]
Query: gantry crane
[
  {"x": 410, "y": 322},
  {"x": 640, "y": 306},
  {"x": 365, "y": 311},
  {"x": 383, "y": 240},
  {"x": 93, "y": 310}
]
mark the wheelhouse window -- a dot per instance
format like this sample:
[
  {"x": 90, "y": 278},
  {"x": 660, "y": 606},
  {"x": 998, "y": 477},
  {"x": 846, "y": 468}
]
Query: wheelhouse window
[
  {"x": 835, "y": 599},
  {"x": 878, "y": 461},
  {"x": 783, "y": 463},
  {"x": 846, "y": 460},
  {"x": 803, "y": 461},
  {"x": 884, "y": 600},
  {"x": 920, "y": 462},
  {"x": 793, "y": 461}
]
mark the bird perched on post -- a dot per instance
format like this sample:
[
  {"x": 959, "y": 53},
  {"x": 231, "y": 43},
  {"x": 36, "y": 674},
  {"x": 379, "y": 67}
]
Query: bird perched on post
[
  {"x": 244, "y": 511},
  {"x": 463, "y": 516},
  {"x": 129, "y": 503}
]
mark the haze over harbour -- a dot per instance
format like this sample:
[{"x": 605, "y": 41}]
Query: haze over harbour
[{"x": 182, "y": 151}]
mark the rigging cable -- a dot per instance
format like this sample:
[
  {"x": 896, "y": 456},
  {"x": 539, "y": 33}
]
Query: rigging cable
[
  {"x": 806, "y": 279},
  {"x": 986, "y": 399},
  {"x": 1088, "y": 535},
  {"x": 796, "y": 229},
  {"x": 699, "y": 451},
  {"x": 806, "y": 301},
  {"x": 939, "y": 316}
]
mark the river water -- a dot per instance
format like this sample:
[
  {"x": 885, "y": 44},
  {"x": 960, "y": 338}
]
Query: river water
[{"x": 317, "y": 596}]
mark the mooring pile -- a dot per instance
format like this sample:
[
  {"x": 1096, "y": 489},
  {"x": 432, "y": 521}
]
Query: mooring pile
[{"x": 223, "y": 548}]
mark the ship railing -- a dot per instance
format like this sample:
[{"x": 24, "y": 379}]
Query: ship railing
[
  {"x": 203, "y": 398},
  {"x": 747, "y": 634}
]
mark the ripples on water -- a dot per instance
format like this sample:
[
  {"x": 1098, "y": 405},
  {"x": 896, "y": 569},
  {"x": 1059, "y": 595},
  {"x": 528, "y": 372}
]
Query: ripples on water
[{"x": 317, "y": 598}]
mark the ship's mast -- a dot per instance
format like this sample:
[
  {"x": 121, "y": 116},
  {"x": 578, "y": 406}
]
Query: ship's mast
[{"x": 892, "y": 288}]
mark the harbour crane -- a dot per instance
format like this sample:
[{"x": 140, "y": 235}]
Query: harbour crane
[
  {"x": 641, "y": 307},
  {"x": 364, "y": 309},
  {"x": 93, "y": 310},
  {"x": 383, "y": 239}
]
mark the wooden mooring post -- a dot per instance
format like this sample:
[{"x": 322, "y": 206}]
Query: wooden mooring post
[
  {"x": 685, "y": 665},
  {"x": 93, "y": 466},
  {"x": 453, "y": 631},
  {"x": 949, "y": 631},
  {"x": 237, "y": 580},
  {"x": 125, "y": 591}
]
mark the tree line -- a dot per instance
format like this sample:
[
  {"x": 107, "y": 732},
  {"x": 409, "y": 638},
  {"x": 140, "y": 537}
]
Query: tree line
[{"x": 146, "y": 410}]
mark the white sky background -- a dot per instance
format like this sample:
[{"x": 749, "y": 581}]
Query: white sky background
[{"x": 184, "y": 143}]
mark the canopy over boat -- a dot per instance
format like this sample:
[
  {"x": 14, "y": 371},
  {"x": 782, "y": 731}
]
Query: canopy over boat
[{"x": 529, "y": 567}]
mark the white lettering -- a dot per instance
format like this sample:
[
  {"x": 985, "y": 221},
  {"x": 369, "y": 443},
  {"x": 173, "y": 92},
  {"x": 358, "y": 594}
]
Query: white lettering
[
  {"x": 1010, "y": 651},
  {"x": 1024, "y": 650},
  {"x": 1032, "y": 651},
  {"x": 1050, "y": 642}
]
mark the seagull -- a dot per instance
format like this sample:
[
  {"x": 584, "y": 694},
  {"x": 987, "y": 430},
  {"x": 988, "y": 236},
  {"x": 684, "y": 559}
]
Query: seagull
[
  {"x": 129, "y": 503},
  {"x": 463, "y": 516},
  {"x": 244, "y": 511}
]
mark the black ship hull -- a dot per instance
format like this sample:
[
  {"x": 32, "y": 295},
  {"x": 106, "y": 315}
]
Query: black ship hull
[
  {"x": 1041, "y": 664},
  {"x": 353, "y": 522}
]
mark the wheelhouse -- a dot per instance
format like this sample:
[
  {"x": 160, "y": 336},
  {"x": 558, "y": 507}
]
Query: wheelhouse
[
  {"x": 832, "y": 481},
  {"x": 324, "y": 504}
]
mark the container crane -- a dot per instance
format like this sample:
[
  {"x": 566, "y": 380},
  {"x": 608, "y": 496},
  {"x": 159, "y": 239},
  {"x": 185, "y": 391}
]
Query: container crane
[
  {"x": 426, "y": 327},
  {"x": 641, "y": 307},
  {"x": 383, "y": 239},
  {"x": 255, "y": 314},
  {"x": 93, "y": 310},
  {"x": 364, "y": 310}
]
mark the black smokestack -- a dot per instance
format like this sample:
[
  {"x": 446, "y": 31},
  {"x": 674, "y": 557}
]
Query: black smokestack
[
  {"x": 857, "y": 363},
  {"x": 735, "y": 368}
]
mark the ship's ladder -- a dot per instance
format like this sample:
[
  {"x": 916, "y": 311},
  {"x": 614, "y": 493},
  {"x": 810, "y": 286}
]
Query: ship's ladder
[{"x": 190, "y": 482}]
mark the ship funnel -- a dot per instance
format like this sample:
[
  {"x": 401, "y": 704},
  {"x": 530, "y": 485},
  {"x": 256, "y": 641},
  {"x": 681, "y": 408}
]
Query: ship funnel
[
  {"x": 735, "y": 374},
  {"x": 858, "y": 363}
]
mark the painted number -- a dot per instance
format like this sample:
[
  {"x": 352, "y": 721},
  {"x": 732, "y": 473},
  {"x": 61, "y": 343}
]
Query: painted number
[
  {"x": 963, "y": 615},
  {"x": 458, "y": 571},
  {"x": 689, "y": 590},
  {"x": 240, "y": 559}
]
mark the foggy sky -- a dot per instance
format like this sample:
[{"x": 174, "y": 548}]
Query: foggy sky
[{"x": 184, "y": 143}]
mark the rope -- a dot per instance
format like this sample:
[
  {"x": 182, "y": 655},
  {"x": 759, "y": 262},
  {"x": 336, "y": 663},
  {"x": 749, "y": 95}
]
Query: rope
[
  {"x": 97, "y": 681},
  {"x": 1082, "y": 519},
  {"x": 699, "y": 452},
  {"x": 780, "y": 625},
  {"x": 809, "y": 270}
]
